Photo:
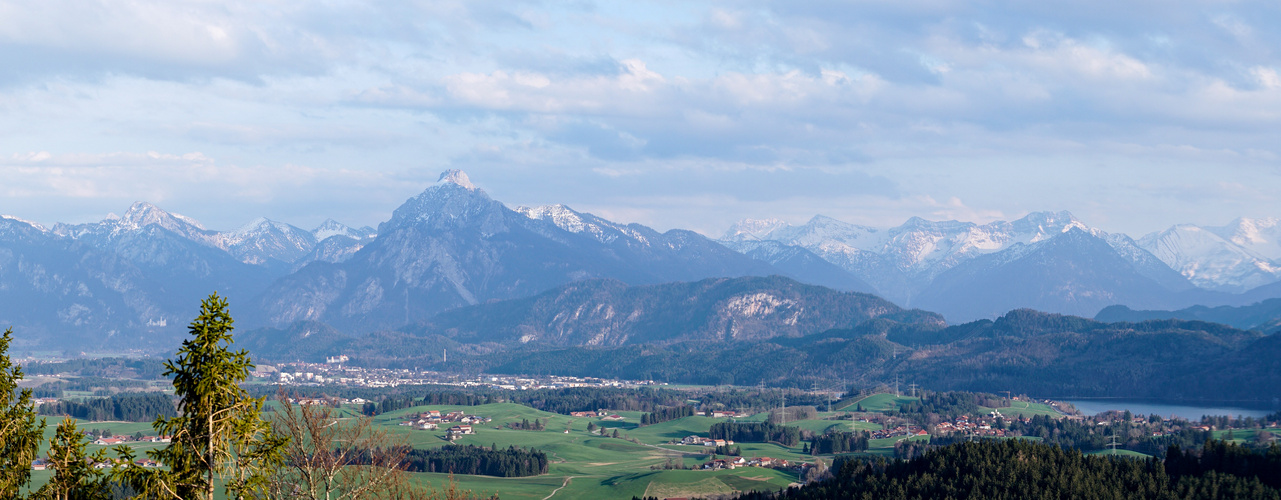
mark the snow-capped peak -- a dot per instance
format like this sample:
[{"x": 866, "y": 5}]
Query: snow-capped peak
[
  {"x": 456, "y": 177},
  {"x": 754, "y": 229},
  {"x": 141, "y": 214},
  {"x": 259, "y": 224},
  {"x": 1261, "y": 236},
  {"x": 567, "y": 219},
  {"x": 560, "y": 215},
  {"x": 24, "y": 221},
  {"x": 334, "y": 228}
]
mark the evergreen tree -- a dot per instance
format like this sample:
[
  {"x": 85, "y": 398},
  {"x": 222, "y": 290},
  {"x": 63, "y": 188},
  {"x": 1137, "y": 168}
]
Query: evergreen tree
[
  {"x": 74, "y": 477},
  {"x": 220, "y": 435},
  {"x": 20, "y": 435}
]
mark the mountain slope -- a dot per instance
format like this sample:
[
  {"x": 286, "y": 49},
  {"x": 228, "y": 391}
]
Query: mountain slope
[
  {"x": 902, "y": 261},
  {"x": 1265, "y": 315},
  {"x": 801, "y": 264},
  {"x": 1212, "y": 258},
  {"x": 453, "y": 246},
  {"x": 1073, "y": 273},
  {"x": 608, "y": 312}
]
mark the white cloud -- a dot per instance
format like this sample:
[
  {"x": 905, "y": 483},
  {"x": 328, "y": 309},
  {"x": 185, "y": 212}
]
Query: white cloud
[{"x": 319, "y": 95}]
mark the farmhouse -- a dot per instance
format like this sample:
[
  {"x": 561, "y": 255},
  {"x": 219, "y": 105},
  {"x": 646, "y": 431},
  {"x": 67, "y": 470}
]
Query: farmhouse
[{"x": 461, "y": 430}]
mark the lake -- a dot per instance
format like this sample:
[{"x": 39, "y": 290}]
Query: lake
[{"x": 1096, "y": 406}]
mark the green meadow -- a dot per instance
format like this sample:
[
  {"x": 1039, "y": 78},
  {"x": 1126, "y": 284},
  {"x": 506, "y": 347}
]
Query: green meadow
[
  {"x": 587, "y": 465},
  {"x": 1025, "y": 409}
]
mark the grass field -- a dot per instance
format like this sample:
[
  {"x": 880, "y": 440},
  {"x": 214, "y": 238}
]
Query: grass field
[
  {"x": 1120, "y": 453},
  {"x": 1025, "y": 409},
  {"x": 879, "y": 402},
  {"x": 587, "y": 465},
  {"x": 1242, "y": 436},
  {"x": 597, "y": 467}
]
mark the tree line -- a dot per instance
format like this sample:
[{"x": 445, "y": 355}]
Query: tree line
[
  {"x": 128, "y": 407},
  {"x": 526, "y": 425},
  {"x": 756, "y": 432},
  {"x": 1023, "y": 469},
  {"x": 660, "y": 415},
  {"x": 834, "y": 441},
  {"x": 469, "y": 459}
]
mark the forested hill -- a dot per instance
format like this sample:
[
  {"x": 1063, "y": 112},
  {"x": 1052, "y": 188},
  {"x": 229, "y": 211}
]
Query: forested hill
[
  {"x": 1019, "y": 469},
  {"x": 1024, "y": 351},
  {"x": 609, "y": 312},
  {"x": 1263, "y": 316}
]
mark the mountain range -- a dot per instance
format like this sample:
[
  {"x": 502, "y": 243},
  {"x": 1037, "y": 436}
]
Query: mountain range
[{"x": 135, "y": 279}]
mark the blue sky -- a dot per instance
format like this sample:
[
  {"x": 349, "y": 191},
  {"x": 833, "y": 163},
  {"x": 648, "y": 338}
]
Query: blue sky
[{"x": 1134, "y": 115}]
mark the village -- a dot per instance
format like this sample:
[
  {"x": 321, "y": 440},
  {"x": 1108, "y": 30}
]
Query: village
[
  {"x": 337, "y": 373},
  {"x": 434, "y": 419},
  {"x": 92, "y": 434}
]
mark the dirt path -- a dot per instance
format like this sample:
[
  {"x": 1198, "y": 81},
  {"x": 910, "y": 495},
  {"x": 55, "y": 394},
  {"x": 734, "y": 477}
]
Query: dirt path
[{"x": 562, "y": 486}]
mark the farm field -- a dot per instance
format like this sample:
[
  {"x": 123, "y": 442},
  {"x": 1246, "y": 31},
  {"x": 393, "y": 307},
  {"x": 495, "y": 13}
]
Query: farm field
[
  {"x": 589, "y": 465},
  {"x": 878, "y": 402},
  {"x": 1025, "y": 409}
]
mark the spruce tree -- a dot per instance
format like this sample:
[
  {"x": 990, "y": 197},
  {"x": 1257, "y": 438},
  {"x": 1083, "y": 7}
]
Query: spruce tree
[
  {"x": 74, "y": 476},
  {"x": 220, "y": 435},
  {"x": 20, "y": 435}
]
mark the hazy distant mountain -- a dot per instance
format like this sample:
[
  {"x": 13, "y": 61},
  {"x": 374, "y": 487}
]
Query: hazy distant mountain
[
  {"x": 965, "y": 270},
  {"x": 120, "y": 284},
  {"x": 453, "y": 246},
  {"x": 609, "y": 312},
  {"x": 1263, "y": 316},
  {"x": 802, "y": 264},
  {"x": 1233, "y": 258},
  {"x": 269, "y": 243},
  {"x": 143, "y": 273},
  {"x": 902, "y": 261},
  {"x": 1072, "y": 273},
  {"x": 331, "y": 228}
]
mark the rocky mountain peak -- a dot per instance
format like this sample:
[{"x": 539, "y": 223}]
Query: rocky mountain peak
[
  {"x": 452, "y": 202},
  {"x": 334, "y": 228},
  {"x": 754, "y": 229},
  {"x": 256, "y": 225},
  {"x": 457, "y": 178}
]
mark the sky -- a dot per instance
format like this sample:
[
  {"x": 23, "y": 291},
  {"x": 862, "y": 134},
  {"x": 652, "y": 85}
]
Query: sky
[{"x": 1133, "y": 115}]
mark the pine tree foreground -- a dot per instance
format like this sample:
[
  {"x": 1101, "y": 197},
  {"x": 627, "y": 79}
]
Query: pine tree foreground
[{"x": 220, "y": 437}]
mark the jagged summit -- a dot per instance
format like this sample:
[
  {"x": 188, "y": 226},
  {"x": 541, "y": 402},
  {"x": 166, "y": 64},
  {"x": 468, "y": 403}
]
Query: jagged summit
[
  {"x": 257, "y": 224},
  {"x": 141, "y": 214},
  {"x": 456, "y": 177},
  {"x": 560, "y": 215},
  {"x": 452, "y": 201},
  {"x": 24, "y": 221},
  {"x": 334, "y": 228},
  {"x": 754, "y": 229}
]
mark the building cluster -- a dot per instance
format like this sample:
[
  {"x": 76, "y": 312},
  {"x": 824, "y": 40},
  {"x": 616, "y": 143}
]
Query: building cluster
[
  {"x": 900, "y": 431},
  {"x": 335, "y": 372},
  {"x": 42, "y": 464},
  {"x": 115, "y": 440},
  {"x": 111, "y": 463},
  {"x": 983, "y": 426},
  {"x": 700, "y": 440},
  {"x": 434, "y": 419},
  {"x": 736, "y": 462}
]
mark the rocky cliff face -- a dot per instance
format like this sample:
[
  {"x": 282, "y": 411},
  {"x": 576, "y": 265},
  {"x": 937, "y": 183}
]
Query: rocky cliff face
[{"x": 611, "y": 313}]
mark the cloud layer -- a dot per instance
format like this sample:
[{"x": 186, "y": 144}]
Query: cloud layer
[{"x": 1133, "y": 114}]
